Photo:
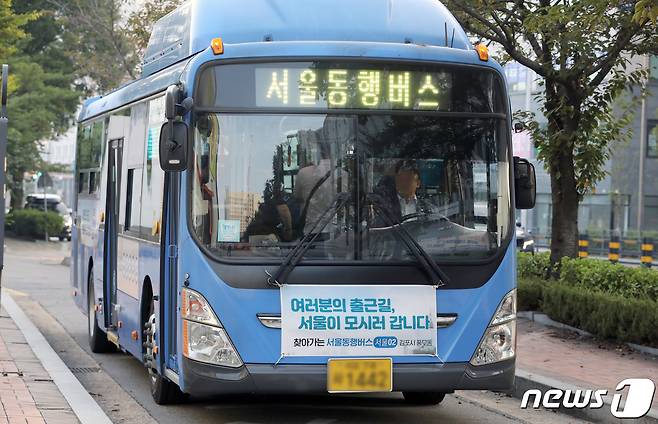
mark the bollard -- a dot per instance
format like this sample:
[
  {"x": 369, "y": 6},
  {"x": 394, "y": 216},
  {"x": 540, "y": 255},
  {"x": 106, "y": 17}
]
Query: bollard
[
  {"x": 614, "y": 247},
  {"x": 583, "y": 246},
  {"x": 646, "y": 257}
]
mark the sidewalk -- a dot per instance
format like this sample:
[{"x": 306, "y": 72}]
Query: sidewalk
[
  {"x": 579, "y": 361},
  {"x": 27, "y": 392}
]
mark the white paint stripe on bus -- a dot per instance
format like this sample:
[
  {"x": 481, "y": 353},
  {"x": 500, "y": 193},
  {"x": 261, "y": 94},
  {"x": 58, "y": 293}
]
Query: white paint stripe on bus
[{"x": 81, "y": 402}]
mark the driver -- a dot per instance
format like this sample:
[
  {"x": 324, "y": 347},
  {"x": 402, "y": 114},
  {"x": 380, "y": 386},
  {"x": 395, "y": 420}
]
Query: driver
[
  {"x": 399, "y": 192},
  {"x": 407, "y": 182}
]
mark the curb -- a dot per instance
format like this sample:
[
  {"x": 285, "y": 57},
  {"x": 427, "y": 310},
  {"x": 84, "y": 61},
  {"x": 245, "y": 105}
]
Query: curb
[
  {"x": 525, "y": 381},
  {"x": 80, "y": 401},
  {"x": 543, "y": 319}
]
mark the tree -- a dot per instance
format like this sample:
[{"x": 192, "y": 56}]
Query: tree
[
  {"x": 106, "y": 40},
  {"x": 646, "y": 9},
  {"x": 581, "y": 50},
  {"x": 43, "y": 95},
  {"x": 11, "y": 28},
  {"x": 99, "y": 44}
]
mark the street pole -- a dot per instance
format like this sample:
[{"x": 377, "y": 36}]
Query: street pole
[
  {"x": 3, "y": 153},
  {"x": 643, "y": 139},
  {"x": 45, "y": 203},
  {"x": 525, "y": 214}
]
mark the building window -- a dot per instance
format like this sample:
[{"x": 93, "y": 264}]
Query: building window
[{"x": 652, "y": 139}]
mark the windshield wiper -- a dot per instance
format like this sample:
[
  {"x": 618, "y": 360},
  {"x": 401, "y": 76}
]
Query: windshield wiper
[
  {"x": 431, "y": 268},
  {"x": 295, "y": 256}
]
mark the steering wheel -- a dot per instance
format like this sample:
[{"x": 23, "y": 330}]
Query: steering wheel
[
  {"x": 411, "y": 216},
  {"x": 424, "y": 216}
]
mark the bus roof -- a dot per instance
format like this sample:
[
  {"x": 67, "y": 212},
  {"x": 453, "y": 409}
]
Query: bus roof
[{"x": 190, "y": 28}]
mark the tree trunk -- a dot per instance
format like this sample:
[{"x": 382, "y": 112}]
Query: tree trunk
[
  {"x": 564, "y": 223},
  {"x": 563, "y": 104},
  {"x": 17, "y": 190}
]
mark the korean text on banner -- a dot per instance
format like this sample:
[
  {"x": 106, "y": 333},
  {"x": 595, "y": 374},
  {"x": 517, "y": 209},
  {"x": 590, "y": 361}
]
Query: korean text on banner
[{"x": 358, "y": 320}]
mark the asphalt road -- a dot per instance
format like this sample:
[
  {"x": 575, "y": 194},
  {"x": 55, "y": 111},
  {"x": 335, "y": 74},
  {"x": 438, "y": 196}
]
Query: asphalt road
[{"x": 40, "y": 284}]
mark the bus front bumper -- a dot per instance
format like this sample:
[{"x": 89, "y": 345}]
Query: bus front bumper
[{"x": 208, "y": 380}]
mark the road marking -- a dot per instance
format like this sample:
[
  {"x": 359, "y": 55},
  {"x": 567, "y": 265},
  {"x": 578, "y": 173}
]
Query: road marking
[{"x": 83, "y": 405}]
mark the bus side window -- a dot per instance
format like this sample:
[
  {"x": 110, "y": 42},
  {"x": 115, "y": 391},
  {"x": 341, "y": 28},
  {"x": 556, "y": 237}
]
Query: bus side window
[
  {"x": 92, "y": 182},
  {"x": 152, "y": 175},
  {"x": 83, "y": 182},
  {"x": 133, "y": 199},
  {"x": 129, "y": 198}
]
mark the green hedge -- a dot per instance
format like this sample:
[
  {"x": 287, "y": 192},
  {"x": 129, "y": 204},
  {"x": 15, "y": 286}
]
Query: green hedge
[
  {"x": 602, "y": 314},
  {"x": 594, "y": 274},
  {"x": 611, "y": 301},
  {"x": 605, "y": 315},
  {"x": 616, "y": 279},
  {"x": 536, "y": 265},
  {"x": 529, "y": 294},
  {"x": 35, "y": 223}
]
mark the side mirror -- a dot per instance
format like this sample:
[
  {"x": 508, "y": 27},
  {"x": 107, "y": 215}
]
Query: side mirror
[
  {"x": 173, "y": 146},
  {"x": 171, "y": 100},
  {"x": 525, "y": 183},
  {"x": 173, "y": 108}
]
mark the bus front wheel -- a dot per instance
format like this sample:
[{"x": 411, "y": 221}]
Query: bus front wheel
[
  {"x": 98, "y": 342},
  {"x": 423, "y": 398},
  {"x": 164, "y": 392}
]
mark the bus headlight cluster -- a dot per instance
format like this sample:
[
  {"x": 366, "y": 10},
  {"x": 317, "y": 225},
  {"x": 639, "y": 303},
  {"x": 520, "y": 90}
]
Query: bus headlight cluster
[
  {"x": 204, "y": 338},
  {"x": 499, "y": 341}
]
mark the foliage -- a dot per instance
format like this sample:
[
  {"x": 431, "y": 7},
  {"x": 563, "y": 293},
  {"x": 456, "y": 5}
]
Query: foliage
[
  {"x": 107, "y": 38},
  {"x": 646, "y": 10},
  {"x": 36, "y": 223},
  {"x": 9, "y": 221},
  {"x": 604, "y": 315},
  {"x": 530, "y": 265},
  {"x": 608, "y": 300},
  {"x": 99, "y": 44},
  {"x": 529, "y": 294},
  {"x": 592, "y": 274},
  {"x": 11, "y": 28},
  {"x": 581, "y": 50},
  {"x": 43, "y": 97}
]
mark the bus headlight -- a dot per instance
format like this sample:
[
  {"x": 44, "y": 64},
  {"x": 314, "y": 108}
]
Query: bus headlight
[
  {"x": 204, "y": 338},
  {"x": 499, "y": 341}
]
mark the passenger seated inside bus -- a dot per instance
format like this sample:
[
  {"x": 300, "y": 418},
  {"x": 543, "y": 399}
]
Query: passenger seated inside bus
[{"x": 314, "y": 191}]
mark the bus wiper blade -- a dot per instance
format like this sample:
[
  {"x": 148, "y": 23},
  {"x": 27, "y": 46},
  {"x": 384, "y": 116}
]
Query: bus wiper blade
[
  {"x": 432, "y": 269},
  {"x": 295, "y": 256}
]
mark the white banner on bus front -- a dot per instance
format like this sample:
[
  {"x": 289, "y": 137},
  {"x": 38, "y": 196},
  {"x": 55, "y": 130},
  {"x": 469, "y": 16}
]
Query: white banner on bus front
[{"x": 358, "y": 320}]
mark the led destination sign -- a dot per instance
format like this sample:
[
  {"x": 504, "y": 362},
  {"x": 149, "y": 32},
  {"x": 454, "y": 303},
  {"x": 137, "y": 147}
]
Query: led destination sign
[
  {"x": 351, "y": 88},
  {"x": 322, "y": 85}
]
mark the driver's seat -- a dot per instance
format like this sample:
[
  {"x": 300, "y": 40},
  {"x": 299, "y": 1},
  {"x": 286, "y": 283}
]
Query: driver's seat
[{"x": 386, "y": 189}]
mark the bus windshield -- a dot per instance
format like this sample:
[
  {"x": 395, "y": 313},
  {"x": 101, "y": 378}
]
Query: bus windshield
[{"x": 263, "y": 181}]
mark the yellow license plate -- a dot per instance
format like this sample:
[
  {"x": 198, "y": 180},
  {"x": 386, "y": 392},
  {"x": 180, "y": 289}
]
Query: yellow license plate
[{"x": 359, "y": 375}]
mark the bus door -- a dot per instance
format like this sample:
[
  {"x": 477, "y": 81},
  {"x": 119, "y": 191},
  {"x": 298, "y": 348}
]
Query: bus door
[{"x": 112, "y": 208}]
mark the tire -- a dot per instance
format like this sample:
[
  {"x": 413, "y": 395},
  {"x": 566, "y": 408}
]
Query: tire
[
  {"x": 423, "y": 398},
  {"x": 98, "y": 342},
  {"x": 163, "y": 391},
  {"x": 61, "y": 238}
]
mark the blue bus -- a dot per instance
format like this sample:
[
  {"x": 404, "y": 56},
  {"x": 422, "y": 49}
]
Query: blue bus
[{"x": 303, "y": 197}]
